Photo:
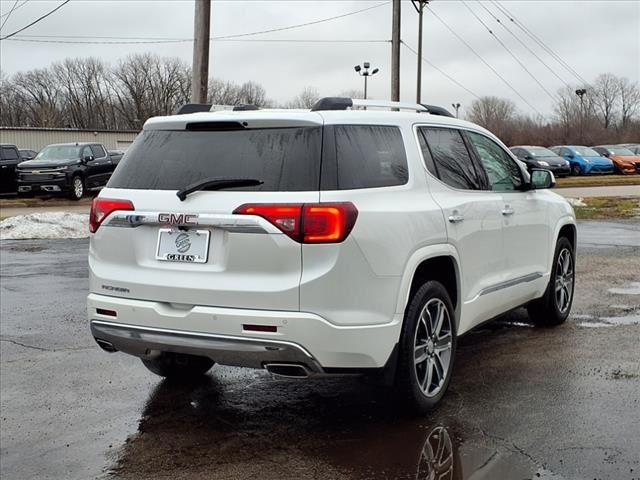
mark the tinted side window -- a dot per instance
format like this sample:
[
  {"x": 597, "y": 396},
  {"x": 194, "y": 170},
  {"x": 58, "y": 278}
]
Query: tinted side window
[
  {"x": 9, "y": 153},
  {"x": 426, "y": 153},
  {"x": 502, "y": 171},
  {"x": 451, "y": 158},
  {"x": 369, "y": 156},
  {"x": 98, "y": 151}
]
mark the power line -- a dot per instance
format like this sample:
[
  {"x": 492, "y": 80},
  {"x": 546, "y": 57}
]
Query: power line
[
  {"x": 440, "y": 70},
  {"x": 144, "y": 40},
  {"x": 523, "y": 44},
  {"x": 36, "y": 20},
  {"x": 9, "y": 14},
  {"x": 492, "y": 33},
  {"x": 473, "y": 50},
  {"x": 239, "y": 40},
  {"x": 536, "y": 39},
  {"x": 15, "y": 8}
]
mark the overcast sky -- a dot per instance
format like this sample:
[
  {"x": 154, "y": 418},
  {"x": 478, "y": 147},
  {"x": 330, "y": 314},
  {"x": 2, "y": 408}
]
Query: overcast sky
[{"x": 591, "y": 36}]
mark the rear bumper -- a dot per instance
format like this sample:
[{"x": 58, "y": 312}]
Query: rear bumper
[
  {"x": 145, "y": 328},
  {"x": 248, "y": 352}
]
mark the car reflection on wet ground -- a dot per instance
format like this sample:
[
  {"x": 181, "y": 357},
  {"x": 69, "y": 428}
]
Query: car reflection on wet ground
[{"x": 524, "y": 402}]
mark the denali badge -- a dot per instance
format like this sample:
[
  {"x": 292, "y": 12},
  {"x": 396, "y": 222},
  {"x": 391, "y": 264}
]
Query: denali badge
[{"x": 178, "y": 218}]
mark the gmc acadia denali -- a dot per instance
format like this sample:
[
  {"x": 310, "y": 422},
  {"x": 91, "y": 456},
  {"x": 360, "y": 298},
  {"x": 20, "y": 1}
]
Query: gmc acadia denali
[{"x": 336, "y": 240}]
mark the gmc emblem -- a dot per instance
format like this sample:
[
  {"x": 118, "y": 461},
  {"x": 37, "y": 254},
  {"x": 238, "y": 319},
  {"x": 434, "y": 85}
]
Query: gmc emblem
[{"x": 178, "y": 218}]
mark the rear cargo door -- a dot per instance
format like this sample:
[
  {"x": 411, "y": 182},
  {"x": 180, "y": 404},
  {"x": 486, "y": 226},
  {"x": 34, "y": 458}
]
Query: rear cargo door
[{"x": 196, "y": 252}]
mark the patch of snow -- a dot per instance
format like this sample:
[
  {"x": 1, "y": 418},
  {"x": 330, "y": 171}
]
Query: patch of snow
[
  {"x": 630, "y": 320},
  {"x": 49, "y": 225},
  {"x": 594, "y": 324},
  {"x": 576, "y": 202},
  {"x": 634, "y": 289}
]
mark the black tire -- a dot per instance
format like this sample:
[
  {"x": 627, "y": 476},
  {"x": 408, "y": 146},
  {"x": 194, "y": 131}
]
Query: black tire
[
  {"x": 575, "y": 170},
  {"x": 410, "y": 374},
  {"x": 178, "y": 367},
  {"x": 551, "y": 310},
  {"x": 76, "y": 188}
]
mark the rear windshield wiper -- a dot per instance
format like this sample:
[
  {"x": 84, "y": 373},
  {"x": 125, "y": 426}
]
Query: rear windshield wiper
[{"x": 217, "y": 184}]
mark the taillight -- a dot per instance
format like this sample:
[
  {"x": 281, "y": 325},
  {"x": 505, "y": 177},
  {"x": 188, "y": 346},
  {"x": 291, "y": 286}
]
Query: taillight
[
  {"x": 307, "y": 222},
  {"x": 102, "y": 207}
]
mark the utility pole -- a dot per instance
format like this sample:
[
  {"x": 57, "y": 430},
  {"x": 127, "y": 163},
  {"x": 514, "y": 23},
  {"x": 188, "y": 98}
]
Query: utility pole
[
  {"x": 419, "y": 6},
  {"x": 200, "y": 66},
  {"x": 457, "y": 107},
  {"x": 395, "y": 52}
]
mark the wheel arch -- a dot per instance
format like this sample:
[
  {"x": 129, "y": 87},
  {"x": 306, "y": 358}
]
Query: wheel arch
[
  {"x": 566, "y": 227},
  {"x": 440, "y": 263}
]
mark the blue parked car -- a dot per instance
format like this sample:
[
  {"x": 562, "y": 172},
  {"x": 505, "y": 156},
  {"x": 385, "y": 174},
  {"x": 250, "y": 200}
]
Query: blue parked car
[{"x": 583, "y": 160}]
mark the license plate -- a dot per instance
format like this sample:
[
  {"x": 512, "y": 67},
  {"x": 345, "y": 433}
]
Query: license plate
[{"x": 190, "y": 246}]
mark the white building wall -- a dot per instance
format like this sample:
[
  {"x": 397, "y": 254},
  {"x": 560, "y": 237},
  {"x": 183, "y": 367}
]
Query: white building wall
[{"x": 38, "y": 138}]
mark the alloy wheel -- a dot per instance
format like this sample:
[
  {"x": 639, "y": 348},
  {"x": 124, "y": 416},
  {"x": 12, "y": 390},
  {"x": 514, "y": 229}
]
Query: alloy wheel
[
  {"x": 78, "y": 187},
  {"x": 564, "y": 280},
  {"x": 432, "y": 347}
]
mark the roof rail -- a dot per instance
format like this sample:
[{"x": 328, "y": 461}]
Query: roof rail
[
  {"x": 435, "y": 110},
  {"x": 332, "y": 103},
  {"x": 343, "y": 103},
  {"x": 193, "y": 108},
  {"x": 243, "y": 107},
  {"x": 357, "y": 103}
]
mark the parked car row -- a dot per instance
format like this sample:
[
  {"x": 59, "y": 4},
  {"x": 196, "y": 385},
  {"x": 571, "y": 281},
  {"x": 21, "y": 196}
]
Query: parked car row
[
  {"x": 564, "y": 160},
  {"x": 65, "y": 168}
]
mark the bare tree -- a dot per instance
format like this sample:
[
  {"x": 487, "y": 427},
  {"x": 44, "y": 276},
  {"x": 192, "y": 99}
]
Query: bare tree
[
  {"x": 629, "y": 101},
  {"x": 305, "y": 99},
  {"x": 606, "y": 92},
  {"x": 253, "y": 93},
  {"x": 495, "y": 114},
  {"x": 353, "y": 93}
]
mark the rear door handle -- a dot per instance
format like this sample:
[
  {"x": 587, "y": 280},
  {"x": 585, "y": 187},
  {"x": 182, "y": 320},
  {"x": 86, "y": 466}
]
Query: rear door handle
[
  {"x": 456, "y": 218},
  {"x": 507, "y": 211}
]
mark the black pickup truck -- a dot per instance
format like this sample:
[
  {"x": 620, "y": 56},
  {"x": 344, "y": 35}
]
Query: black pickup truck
[
  {"x": 69, "y": 168},
  {"x": 9, "y": 159}
]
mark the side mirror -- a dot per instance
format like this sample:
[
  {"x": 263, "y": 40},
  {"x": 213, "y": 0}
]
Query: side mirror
[
  {"x": 542, "y": 179},
  {"x": 528, "y": 157},
  {"x": 570, "y": 155},
  {"x": 87, "y": 158}
]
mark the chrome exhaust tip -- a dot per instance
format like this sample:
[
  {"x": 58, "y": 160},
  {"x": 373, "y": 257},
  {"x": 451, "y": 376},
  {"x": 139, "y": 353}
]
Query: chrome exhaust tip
[{"x": 289, "y": 370}]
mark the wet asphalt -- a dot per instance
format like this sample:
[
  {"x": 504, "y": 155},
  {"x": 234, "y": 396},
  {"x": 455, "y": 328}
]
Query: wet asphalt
[{"x": 524, "y": 402}]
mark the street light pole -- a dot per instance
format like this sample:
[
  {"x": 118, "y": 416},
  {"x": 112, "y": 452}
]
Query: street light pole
[
  {"x": 581, "y": 92},
  {"x": 363, "y": 71},
  {"x": 457, "y": 107},
  {"x": 419, "y": 6},
  {"x": 200, "y": 67}
]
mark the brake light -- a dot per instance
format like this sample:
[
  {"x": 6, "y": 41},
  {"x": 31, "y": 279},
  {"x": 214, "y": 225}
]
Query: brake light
[
  {"x": 307, "y": 222},
  {"x": 102, "y": 207}
]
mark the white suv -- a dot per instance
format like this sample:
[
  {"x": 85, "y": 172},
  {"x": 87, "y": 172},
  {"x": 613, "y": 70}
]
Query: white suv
[{"x": 336, "y": 240}]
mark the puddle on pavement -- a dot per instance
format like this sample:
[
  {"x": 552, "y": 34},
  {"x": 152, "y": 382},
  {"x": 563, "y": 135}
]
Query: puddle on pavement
[{"x": 242, "y": 424}]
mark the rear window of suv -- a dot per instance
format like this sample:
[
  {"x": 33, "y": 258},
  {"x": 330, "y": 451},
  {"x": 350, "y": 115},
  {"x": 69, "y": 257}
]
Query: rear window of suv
[{"x": 285, "y": 159}]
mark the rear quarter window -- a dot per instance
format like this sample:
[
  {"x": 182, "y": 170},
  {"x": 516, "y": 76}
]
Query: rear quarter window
[{"x": 363, "y": 156}]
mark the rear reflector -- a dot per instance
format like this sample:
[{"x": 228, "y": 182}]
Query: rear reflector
[
  {"x": 307, "y": 222},
  {"x": 260, "y": 328},
  {"x": 104, "y": 311},
  {"x": 101, "y": 208}
]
